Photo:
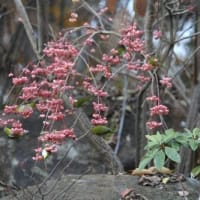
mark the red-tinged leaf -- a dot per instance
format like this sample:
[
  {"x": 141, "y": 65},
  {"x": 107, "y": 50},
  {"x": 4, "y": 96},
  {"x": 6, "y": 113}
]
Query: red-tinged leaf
[{"x": 126, "y": 192}]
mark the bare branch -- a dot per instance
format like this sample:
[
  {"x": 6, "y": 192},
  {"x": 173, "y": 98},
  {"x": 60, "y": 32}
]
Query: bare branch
[
  {"x": 95, "y": 14},
  {"x": 121, "y": 125},
  {"x": 27, "y": 25}
]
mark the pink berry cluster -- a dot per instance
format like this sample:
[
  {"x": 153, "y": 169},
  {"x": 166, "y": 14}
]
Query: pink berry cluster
[
  {"x": 44, "y": 84},
  {"x": 133, "y": 44},
  {"x": 132, "y": 41},
  {"x": 98, "y": 117}
]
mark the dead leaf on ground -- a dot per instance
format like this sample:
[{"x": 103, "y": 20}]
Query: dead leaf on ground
[
  {"x": 125, "y": 192},
  {"x": 141, "y": 172},
  {"x": 151, "y": 171},
  {"x": 165, "y": 180},
  {"x": 150, "y": 180}
]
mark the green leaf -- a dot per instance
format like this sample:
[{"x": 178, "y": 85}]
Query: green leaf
[
  {"x": 151, "y": 137},
  {"x": 172, "y": 154},
  {"x": 193, "y": 144},
  {"x": 101, "y": 130},
  {"x": 8, "y": 132},
  {"x": 154, "y": 61},
  {"x": 156, "y": 138},
  {"x": 175, "y": 146},
  {"x": 196, "y": 171},
  {"x": 159, "y": 159},
  {"x": 147, "y": 158},
  {"x": 187, "y": 131},
  {"x": 182, "y": 139},
  {"x": 121, "y": 49},
  {"x": 154, "y": 141},
  {"x": 151, "y": 145},
  {"x": 32, "y": 104},
  {"x": 196, "y": 132},
  {"x": 81, "y": 101},
  {"x": 170, "y": 134}
]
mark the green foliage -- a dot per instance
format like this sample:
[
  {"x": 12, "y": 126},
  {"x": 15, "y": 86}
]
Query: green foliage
[
  {"x": 193, "y": 138},
  {"x": 82, "y": 101},
  {"x": 167, "y": 145},
  {"x": 147, "y": 158},
  {"x": 8, "y": 132},
  {"x": 159, "y": 159},
  {"x": 155, "y": 62},
  {"x": 195, "y": 171},
  {"x": 172, "y": 154},
  {"x": 101, "y": 130},
  {"x": 121, "y": 49}
]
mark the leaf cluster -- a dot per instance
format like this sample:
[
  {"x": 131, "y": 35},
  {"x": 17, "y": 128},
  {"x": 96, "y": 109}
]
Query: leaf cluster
[{"x": 161, "y": 147}]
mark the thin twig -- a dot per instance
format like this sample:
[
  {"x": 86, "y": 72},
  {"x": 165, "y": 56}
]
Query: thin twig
[
  {"x": 95, "y": 14},
  {"x": 138, "y": 120},
  {"x": 121, "y": 124}
]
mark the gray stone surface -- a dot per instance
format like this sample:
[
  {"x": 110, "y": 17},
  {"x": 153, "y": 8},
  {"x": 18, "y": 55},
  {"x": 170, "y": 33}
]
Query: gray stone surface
[
  {"x": 100, "y": 187},
  {"x": 89, "y": 154}
]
